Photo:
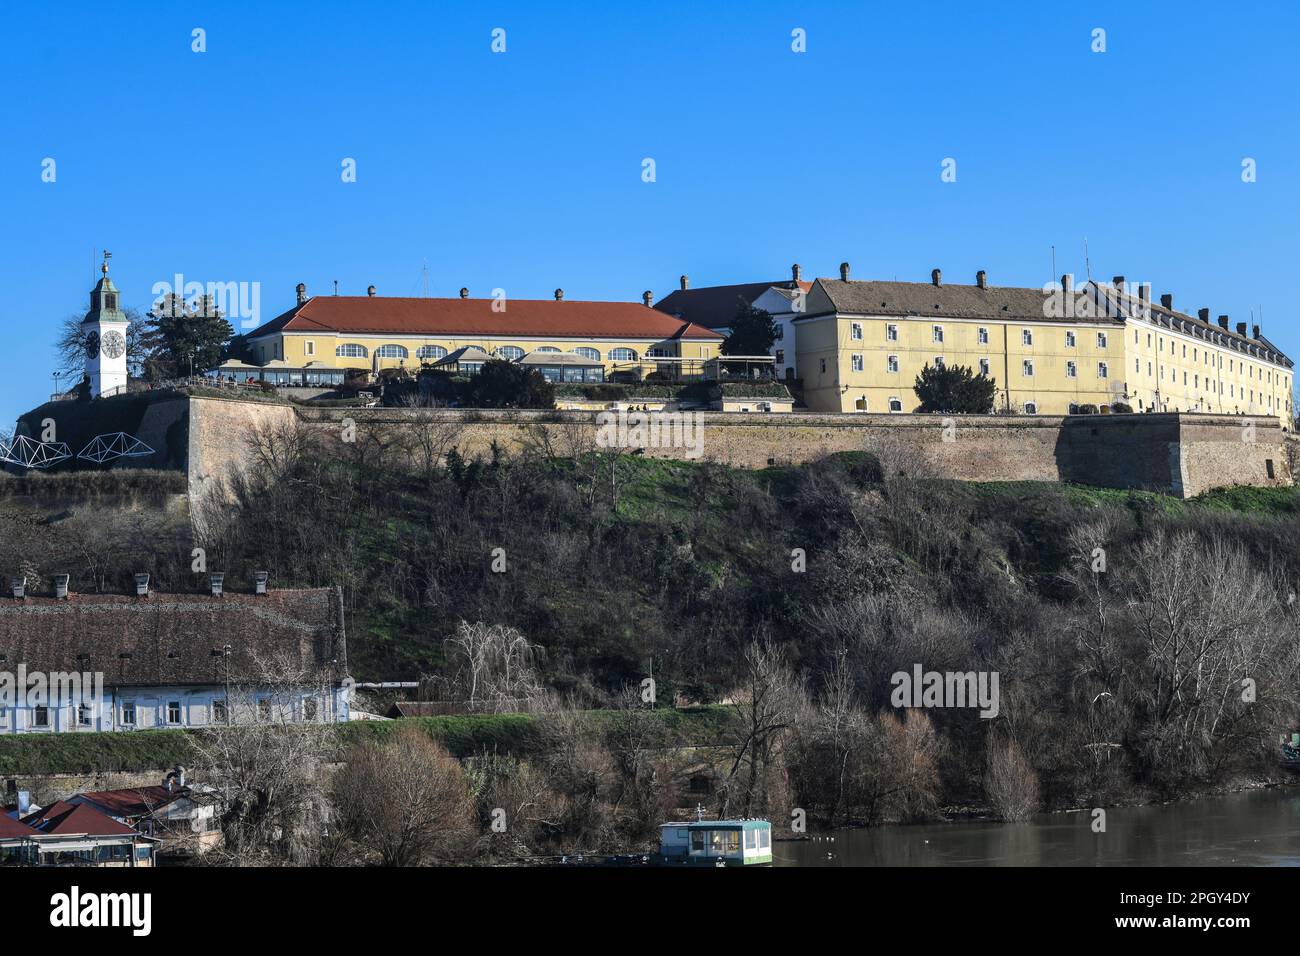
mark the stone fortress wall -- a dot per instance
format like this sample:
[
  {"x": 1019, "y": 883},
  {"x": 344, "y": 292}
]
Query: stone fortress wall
[{"x": 1179, "y": 454}]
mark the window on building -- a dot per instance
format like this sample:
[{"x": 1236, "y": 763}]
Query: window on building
[
  {"x": 891, "y": 332},
  {"x": 1101, "y": 340},
  {"x": 309, "y": 708},
  {"x": 938, "y": 361},
  {"x": 585, "y": 352},
  {"x": 780, "y": 356},
  {"x": 1026, "y": 337},
  {"x": 1137, "y": 366},
  {"x": 855, "y": 331},
  {"x": 40, "y": 716},
  {"x": 511, "y": 353},
  {"x": 309, "y": 347},
  {"x": 982, "y": 336},
  {"x": 780, "y": 332},
  {"x": 128, "y": 712},
  {"x": 431, "y": 352},
  {"x": 391, "y": 352},
  {"x": 823, "y": 361},
  {"x": 937, "y": 333},
  {"x": 622, "y": 355},
  {"x": 173, "y": 711},
  {"x": 1069, "y": 339},
  {"x": 1071, "y": 370},
  {"x": 83, "y": 715},
  {"x": 351, "y": 350},
  {"x": 984, "y": 367},
  {"x": 895, "y": 405},
  {"x": 1031, "y": 408},
  {"x": 219, "y": 711},
  {"x": 264, "y": 708},
  {"x": 856, "y": 362},
  {"x": 1027, "y": 368},
  {"x": 1103, "y": 370},
  {"x": 892, "y": 363}
]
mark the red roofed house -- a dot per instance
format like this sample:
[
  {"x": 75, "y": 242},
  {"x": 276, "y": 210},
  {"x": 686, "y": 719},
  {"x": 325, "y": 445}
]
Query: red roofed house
[
  {"x": 183, "y": 819},
  {"x": 79, "y": 835},
  {"x": 323, "y": 334}
]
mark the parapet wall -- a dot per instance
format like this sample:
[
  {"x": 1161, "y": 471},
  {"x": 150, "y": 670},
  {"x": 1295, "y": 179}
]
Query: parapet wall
[{"x": 1180, "y": 454}]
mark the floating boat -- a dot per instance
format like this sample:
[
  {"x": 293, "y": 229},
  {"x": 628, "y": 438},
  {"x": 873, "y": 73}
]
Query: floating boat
[{"x": 715, "y": 843}]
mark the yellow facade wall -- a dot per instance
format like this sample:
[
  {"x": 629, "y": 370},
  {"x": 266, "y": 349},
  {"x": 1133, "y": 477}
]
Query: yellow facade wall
[
  {"x": 848, "y": 361},
  {"x": 863, "y": 363},
  {"x": 299, "y": 348},
  {"x": 1172, "y": 372}
]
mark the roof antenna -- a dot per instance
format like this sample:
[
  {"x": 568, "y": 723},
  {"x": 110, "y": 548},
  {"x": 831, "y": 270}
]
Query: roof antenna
[
  {"x": 336, "y": 286},
  {"x": 1087, "y": 264},
  {"x": 1052, "y": 277},
  {"x": 426, "y": 278}
]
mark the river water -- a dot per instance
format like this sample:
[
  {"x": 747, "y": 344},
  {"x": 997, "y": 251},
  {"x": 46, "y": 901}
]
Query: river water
[{"x": 1256, "y": 828}]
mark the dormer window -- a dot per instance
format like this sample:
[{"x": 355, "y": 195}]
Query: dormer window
[{"x": 110, "y": 301}]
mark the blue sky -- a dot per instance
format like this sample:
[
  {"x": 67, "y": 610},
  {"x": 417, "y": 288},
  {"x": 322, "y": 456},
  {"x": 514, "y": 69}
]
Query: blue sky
[{"x": 522, "y": 170}]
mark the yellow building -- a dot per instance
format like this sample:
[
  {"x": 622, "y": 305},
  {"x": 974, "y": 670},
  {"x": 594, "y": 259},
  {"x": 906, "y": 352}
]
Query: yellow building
[
  {"x": 861, "y": 345},
  {"x": 371, "y": 333}
]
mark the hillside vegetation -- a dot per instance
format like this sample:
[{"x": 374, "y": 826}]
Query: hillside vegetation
[{"x": 1121, "y": 625}]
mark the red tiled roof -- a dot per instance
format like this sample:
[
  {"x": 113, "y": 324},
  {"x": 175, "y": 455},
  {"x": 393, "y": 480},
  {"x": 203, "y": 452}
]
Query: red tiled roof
[
  {"x": 134, "y": 802},
  {"x": 11, "y": 828},
  {"x": 63, "y": 818},
  {"x": 464, "y": 318}
]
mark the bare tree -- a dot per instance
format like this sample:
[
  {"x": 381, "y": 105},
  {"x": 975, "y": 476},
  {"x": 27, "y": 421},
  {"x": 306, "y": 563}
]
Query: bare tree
[
  {"x": 765, "y": 705},
  {"x": 405, "y": 801},
  {"x": 495, "y": 666},
  {"x": 267, "y": 765},
  {"x": 1010, "y": 782}
]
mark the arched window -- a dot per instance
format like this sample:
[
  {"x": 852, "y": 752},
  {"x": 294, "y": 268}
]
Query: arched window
[
  {"x": 391, "y": 351},
  {"x": 434, "y": 352},
  {"x": 622, "y": 355},
  {"x": 1031, "y": 408},
  {"x": 511, "y": 353},
  {"x": 351, "y": 350},
  {"x": 548, "y": 348},
  {"x": 895, "y": 405},
  {"x": 585, "y": 352}
]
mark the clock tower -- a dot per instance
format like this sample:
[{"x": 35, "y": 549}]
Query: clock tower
[{"x": 103, "y": 334}]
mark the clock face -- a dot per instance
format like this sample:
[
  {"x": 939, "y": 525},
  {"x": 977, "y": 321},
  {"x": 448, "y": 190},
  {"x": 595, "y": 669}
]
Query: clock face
[
  {"x": 92, "y": 345},
  {"x": 113, "y": 345}
]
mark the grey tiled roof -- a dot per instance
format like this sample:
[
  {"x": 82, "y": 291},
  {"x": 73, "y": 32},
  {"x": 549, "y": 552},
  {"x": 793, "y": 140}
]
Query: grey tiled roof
[{"x": 945, "y": 301}]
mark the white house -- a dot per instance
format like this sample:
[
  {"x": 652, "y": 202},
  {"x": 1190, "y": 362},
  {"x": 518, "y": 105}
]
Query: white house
[{"x": 98, "y": 662}]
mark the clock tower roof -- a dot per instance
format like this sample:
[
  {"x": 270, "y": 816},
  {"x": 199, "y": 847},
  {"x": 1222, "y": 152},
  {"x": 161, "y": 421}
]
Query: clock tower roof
[{"x": 104, "y": 298}]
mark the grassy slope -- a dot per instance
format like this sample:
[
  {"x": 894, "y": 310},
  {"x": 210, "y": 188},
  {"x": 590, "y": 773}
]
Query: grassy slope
[{"x": 462, "y": 735}]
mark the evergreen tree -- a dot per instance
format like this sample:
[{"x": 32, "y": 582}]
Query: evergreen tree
[{"x": 955, "y": 388}]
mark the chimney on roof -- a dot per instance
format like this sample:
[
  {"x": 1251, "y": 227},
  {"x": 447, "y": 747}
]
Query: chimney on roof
[
  {"x": 302, "y": 292},
  {"x": 1117, "y": 282},
  {"x": 936, "y": 277},
  {"x": 1203, "y": 315},
  {"x": 1144, "y": 293},
  {"x": 18, "y": 584},
  {"x": 1241, "y": 329},
  {"x": 259, "y": 581},
  {"x": 1167, "y": 300},
  {"x": 844, "y": 272},
  {"x": 982, "y": 279},
  {"x": 216, "y": 581},
  {"x": 1223, "y": 322},
  {"x": 1067, "y": 283},
  {"x": 141, "y": 585},
  {"x": 1254, "y": 331},
  {"x": 796, "y": 272},
  {"x": 685, "y": 282},
  {"x": 464, "y": 292},
  {"x": 370, "y": 291},
  {"x": 559, "y": 295},
  {"x": 61, "y": 586},
  {"x": 647, "y": 297}
]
